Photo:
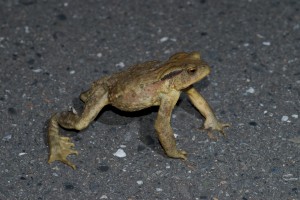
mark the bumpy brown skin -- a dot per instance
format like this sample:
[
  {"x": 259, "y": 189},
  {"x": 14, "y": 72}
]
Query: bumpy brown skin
[{"x": 152, "y": 83}]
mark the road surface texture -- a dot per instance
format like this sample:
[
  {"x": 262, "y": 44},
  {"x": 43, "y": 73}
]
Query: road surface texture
[{"x": 51, "y": 51}]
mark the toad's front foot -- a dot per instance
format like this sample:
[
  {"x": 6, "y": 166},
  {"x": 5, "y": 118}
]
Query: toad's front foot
[
  {"x": 177, "y": 154},
  {"x": 60, "y": 148},
  {"x": 214, "y": 125}
]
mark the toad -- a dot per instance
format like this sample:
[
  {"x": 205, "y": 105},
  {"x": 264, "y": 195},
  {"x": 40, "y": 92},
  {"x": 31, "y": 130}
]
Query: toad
[{"x": 152, "y": 83}]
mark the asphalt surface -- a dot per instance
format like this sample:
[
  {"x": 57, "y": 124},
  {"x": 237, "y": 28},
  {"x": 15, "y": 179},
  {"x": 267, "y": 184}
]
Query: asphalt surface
[{"x": 51, "y": 51}]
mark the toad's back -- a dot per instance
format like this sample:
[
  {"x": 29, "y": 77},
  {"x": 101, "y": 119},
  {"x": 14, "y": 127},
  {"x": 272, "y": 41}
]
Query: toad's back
[
  {"x": 136, "y": 88},
  {"x": 137, "y": 74}
]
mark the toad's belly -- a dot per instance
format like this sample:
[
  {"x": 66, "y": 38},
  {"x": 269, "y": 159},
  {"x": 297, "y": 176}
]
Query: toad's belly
[
  {"x": 133, "y": 102},
  {"x": 133, "y": 97}
]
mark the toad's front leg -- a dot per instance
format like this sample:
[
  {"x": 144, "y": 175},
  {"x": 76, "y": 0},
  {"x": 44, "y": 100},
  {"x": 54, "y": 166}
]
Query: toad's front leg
[
  {"x": 163, "y": 127},
  {"x": 211, "y": 123},
  {"x": 61, "y": 147}
]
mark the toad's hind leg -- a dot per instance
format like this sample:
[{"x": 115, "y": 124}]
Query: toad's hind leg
[
  {"x": 84, "y": 96},
  {"x": 61, "y": 147}
]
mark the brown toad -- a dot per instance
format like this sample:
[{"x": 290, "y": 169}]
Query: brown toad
[{"x": 152, "y": 83}]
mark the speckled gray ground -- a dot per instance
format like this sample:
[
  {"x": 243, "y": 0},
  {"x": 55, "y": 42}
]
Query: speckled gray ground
[{"x": 50, "y": 51}]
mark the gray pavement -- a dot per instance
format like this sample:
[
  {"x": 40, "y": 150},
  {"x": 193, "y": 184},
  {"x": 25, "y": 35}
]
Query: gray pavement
[{"x": 51, "y": 51}]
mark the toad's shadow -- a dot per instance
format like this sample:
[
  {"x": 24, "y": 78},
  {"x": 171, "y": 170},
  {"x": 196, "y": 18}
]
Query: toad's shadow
[
  {"x": 146, "y": 117},
  {"x": 113, "y": 116}
]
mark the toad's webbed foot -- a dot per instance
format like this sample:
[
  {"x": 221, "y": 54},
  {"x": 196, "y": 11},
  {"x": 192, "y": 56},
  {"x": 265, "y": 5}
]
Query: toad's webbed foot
[
  {"x": 60, "y": 148},
  {"x": 215, "y": 125}
]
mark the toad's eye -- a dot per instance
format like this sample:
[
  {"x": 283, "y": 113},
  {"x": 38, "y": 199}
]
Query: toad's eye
[{"x": 192, "y": 70}]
